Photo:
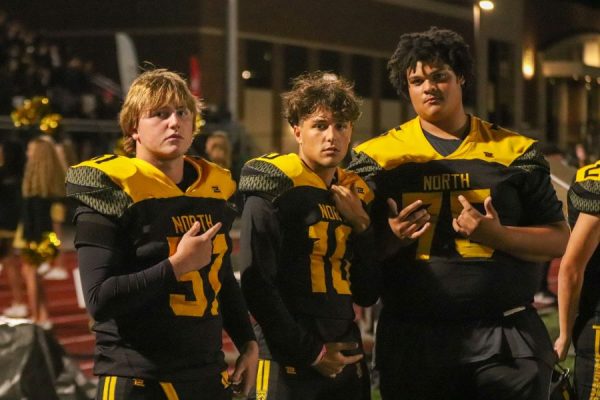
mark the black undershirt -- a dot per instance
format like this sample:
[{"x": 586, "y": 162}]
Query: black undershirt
[{"x": 447, "y": 146}]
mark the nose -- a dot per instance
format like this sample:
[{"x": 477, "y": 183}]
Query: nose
[
  {"x": 330, "y": 133},
  {"x": 174, "y": 119},
  {"x": 429, "y": 85}
]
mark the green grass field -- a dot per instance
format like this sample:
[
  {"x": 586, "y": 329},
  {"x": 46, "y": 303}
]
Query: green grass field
[{"x": 551, "y": 321}]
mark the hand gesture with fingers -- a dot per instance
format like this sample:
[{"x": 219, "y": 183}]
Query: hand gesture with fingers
[
  {"x": 472, "y": 224},
  {"x": 351, "y": 208},
  {"x": 334, "y": 361},
  {"x": 410, "y": 223},
  {"x": 193, "y": 252}
]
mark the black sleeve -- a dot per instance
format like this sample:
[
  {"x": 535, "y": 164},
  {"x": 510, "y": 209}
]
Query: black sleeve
[
  {"x": 259, "y": 257},
  {"x": 108, "y": 292},
  {"x": 235, "y": 313},
  {"x": 540, "y": 203},
  {"x": 365, "y": 272}
]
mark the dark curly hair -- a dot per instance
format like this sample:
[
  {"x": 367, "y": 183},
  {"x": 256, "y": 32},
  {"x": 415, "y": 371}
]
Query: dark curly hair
[
  {"x": 434, "y": 47},
  {"x": 312, "y": 91}
]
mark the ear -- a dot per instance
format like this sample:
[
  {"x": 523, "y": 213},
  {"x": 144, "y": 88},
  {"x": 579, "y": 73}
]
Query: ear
[{"x": 297, "y": 134}]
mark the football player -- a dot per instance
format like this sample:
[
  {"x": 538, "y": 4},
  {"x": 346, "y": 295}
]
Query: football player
[
  {"x": 579, "y": 283},
  {"x": 154, "y": 252},
  {"x": 464, "y": 211},
  {"x": 306, "y": 250}
]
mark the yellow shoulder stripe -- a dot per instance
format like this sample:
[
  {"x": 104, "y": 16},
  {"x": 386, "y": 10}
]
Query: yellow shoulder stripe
[
  {"x": 588, "y": 173},
  {"x": 293, "y": 167},
  {"x": 408, "y": 144}
]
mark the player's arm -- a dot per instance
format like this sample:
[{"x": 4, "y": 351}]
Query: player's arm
[
  {"x": 237, "y": 324},
  {"x": 542, "y": 235},
  {"x": 259, "y": 258},
  {"x": 107, "y": 291},
  {"x": 365, "y": 274},
  {"x": 584, "y": 240}
]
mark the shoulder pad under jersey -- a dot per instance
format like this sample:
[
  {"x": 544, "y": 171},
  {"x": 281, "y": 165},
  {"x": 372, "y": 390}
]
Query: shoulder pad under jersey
[
  {"x": 273, "y": 174},
  {"x": 94, "y": 183},
  {"x": 584, "y": 193}
]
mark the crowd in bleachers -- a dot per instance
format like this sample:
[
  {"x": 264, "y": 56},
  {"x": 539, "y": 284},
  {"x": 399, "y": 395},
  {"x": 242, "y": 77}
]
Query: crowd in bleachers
[{"x": 31, "y": 65}]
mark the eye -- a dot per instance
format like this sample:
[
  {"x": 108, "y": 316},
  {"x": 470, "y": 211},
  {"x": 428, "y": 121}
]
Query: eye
[
  {"x": 321, "y": 126},
  {"x": 342, "y": 126},
  {"x": 415, "y": 82},
  {"x": 162, "y": 114},
  {"x": 183, "y": 113}
]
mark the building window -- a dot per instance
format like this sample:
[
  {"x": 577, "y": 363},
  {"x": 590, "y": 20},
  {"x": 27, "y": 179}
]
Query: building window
[
  {"x": 296, "y": 62},
  {"x": 330, "y": 61},
  {"x": 387, "y": 90},
  {"x": 361, "y": 74},
  {"x": 259, "y": 59}
]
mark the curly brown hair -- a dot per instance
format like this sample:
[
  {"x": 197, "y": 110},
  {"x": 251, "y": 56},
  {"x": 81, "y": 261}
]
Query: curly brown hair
[
  {"x": 44, "y": 174},
  {"x": 149, "y": 91},
  {"x": 317, "y": 90}
]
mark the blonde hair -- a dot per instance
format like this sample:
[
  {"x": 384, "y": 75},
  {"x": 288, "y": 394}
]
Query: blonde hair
[
  {"x": 149, "y": 91},
  {"x": 44, "y": 174}
]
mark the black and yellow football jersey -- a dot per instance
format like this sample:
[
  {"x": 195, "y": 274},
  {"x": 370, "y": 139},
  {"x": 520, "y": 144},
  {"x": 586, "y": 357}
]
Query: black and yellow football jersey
[
  {"x": 443, "y": 274},
  {"x": 148, "y": 324},
  {"x": 584, "y": 197},
  {"x": 303, "y": 266}
]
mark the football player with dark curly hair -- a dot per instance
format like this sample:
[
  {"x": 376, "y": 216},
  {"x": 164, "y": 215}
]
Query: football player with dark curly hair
[{"x": 465, "y": 212}]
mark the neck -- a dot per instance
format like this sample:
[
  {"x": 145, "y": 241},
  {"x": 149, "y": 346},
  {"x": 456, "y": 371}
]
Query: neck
[
  {"x": 325, "y": 173},
  {"x": 173, "y": 169},
  {"x": 452, "y": 128}
]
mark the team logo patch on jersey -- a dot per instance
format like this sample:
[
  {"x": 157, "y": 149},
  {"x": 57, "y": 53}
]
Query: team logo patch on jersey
[
  {"x": 488, "y": 154},
  {"x": 216, "y": 189}
]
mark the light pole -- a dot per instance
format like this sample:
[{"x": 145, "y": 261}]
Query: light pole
[{"x": 480, "y": 57}]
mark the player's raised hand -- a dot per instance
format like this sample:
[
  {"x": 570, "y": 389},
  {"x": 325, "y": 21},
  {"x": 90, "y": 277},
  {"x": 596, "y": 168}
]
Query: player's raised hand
[
  {"x": 410, "y": 223},
  {"x": 334, "y": 361},
  {"x": 351, "y": 208},
  {"x": 193, "y": 251},
  {"x": 472, "y": 224}
]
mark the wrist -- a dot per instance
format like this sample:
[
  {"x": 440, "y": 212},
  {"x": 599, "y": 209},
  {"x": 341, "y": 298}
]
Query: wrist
[{"x": 320, "y": 356}]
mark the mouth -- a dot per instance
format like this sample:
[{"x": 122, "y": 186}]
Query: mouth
[
  {"x": 433, "y": 100},
  {"x": 331, "y": 151},
  {"x": 174, "y": 136}
]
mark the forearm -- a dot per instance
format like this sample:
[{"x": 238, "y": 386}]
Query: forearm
[
  {"x": 570, "y": 281},
  {"x": 532, "y": 243},
  {"x": 108, "y": 295},
  {"x": 236, "y": 320}
]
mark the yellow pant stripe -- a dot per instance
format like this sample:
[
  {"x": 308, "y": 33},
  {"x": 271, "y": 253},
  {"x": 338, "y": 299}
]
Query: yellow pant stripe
[
  {"x": 259, "y": 373},
  {"x": 595, "y": 392},
  {"x": 112, "y": 388},
  {"x": 262, "y": 379},
  {"x": 106, "y": 382},
  {"x": 169, "y": 390}
]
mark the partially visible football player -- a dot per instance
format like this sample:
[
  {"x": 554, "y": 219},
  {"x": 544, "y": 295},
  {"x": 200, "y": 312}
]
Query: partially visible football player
[
  {"x": 152, "y": 239},
  {"x": 465, "y": 212},
  {"x": 307, "y": 250},
  {"x": 579, "y": 282}
]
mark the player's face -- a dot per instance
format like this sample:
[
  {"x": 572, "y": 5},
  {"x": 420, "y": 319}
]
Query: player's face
[
  {"x": 435, "y": 92},
  {"x": 164, "y": 134},
  {"x": 323, "y": 141}
]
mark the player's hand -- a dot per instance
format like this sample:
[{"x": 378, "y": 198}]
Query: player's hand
[
  {"x": 193, "y": 252},
  {"x": 472, "y": 224},
  {"x": 410, "y": 223},
  {"x": 244, "y": 375},
  {"x": 561, "y": 347},
  {"x": 351, "y": 208},
  {"x": 333, "y": 361}
]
